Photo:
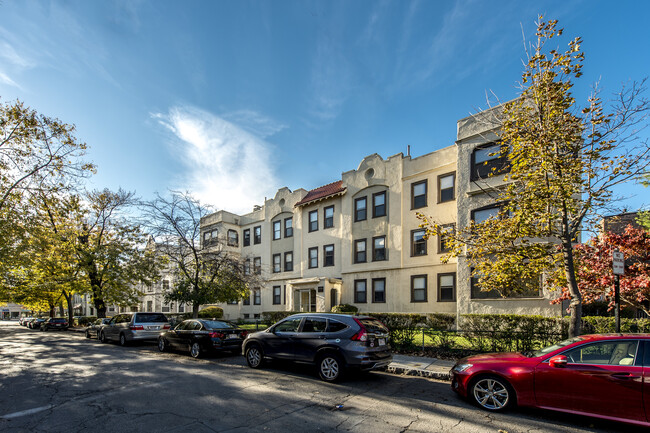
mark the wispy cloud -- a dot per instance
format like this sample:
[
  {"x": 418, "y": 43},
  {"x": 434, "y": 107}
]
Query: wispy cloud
[
  {"x": 255, "y": 123},
  {"x": 4, "y": 78},
  {"x": 225, "y": 165}
]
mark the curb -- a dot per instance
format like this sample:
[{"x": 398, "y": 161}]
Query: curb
[{"x": 405, "y": 371}]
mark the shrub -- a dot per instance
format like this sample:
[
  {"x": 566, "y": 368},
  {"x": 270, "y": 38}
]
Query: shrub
[
  {"x": 507, "y": 332},
  {"x": 604, "y": 325},
  {"x": 85, "y": 320},
  {"x": 211, "y": 312},
  {"x": 345, "y": 308},
  {"x": 271, "y": 317},
  {"x": 175, "y": 319}
]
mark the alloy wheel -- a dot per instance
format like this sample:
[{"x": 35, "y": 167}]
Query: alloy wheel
[
  {"x": 254, "y": 356},
  {"x": 195, "y": 350},
  {"x": 329, "y": 368},
  {"x": 491, "y": 394}
]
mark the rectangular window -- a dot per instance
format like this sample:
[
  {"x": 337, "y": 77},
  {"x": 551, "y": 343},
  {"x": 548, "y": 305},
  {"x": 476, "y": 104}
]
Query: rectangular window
[
  {"x": 447, "y": 231},
  {"x": 165, "y": 286},
  {"x": 277, "y": 295},
  {"x": 419, "y": 194},
  {"x": 257, "y": 265},
  {"x": 419, "y": 288},
  {"x": 447, "y": 287},
  {"x": 328, "y": 221},
  {"x": 288, "y": 261},
  {"x": 313, "y": 221},
  {"x": 257, "y": 235},
  {"x": 165, "y": 308},
  {"x": 379, "y": 204},
  {"x": 360, "y": 291},
  {"x": 247, "y": 237},
  {"x": 181, "y": 308},
  {"x": 277, "y": 230},
  {"x": 257, "y": 297},
  {"x": 488, "y": 159},
  {"x": 379, "y": 290},
  {"x": 277, "y": 263},
  {"x": 482, "y": 214},
  {"x": 149, "y": 287},
  {"x": 418, "y": 243},
  {"x": 313, "y": 257},
  {"x": 360, "y": 209},
  {"x": 247, "y": 267},
  {"x": 247, "y": 299},
  {"x": 328, "y": 253},
  {"x": 247, "y": 315},
  {"x": 288, "y": 227},
  {"x": 149, "y": 306},
  {"x": 446, "y": 187},
  {"x": 360, "y": 251},
  {"x": 378, "y": 248},
  {"x": 233, "y": 238}
]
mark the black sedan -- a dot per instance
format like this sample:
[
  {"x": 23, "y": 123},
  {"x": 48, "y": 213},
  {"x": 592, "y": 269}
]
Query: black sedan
[
  {"x": 35, "y": 323},
  {"x": 200, "y": 336},
  {"x": 60, "y": 323}
]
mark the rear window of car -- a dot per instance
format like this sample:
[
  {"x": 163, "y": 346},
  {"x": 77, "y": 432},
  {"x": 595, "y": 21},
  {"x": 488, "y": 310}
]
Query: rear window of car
[
  {"x": 373, "y": 326},
  {"x": 58, "y": 320},
  {"x": 150, "y": 318},
  {"x": 335, "y": 326},
  {"x": 217, "y": 324}
]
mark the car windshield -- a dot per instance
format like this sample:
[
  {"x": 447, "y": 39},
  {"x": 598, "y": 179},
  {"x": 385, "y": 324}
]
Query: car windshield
[
  {"x": 58, "y": 320},
  {"x": 217, "y": 324},
  {"x": 554, "y": 347},
  {"x": 150, "y": 317}
]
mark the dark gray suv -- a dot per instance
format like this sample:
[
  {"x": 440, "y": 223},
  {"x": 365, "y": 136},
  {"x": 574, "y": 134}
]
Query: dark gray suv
[{"x": 332, "y": 342}]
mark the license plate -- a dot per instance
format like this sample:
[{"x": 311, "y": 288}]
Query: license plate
[
  {"x": 233, "y": 336},
  {"x": 153, "y": 328},
  {"x": 382, "y": 341}
]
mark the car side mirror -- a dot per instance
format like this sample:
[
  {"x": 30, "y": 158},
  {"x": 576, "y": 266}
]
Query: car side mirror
[{"x": 558, "y": 361}]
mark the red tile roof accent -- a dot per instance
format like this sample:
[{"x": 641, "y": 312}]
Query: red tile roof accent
[{"x": 321, "y": 192}]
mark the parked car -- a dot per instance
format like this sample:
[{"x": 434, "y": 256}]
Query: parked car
[
  {"x": 331, "y": 342},
  {"x": 60, "y": 323},
  {"x": 93, "y": 329},
  {"x": 200, "y": 336},
  {"x": 595, "y": 375},
  {"x": 129, "y": 327},
  {"x": 35, "y": 323},
  {"x": 23, "y": 320}
]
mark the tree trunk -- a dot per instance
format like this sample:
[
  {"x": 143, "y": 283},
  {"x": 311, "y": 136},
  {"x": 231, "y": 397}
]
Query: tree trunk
[
  {"x": 99, "y": 306},
  {"x": 68, "y": 299},
  {"x": 195, "y": 311},
  {"x": 575, "y": 305}
]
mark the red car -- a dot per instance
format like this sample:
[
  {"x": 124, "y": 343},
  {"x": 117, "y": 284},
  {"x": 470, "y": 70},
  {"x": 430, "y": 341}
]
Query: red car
[{"x": 605, "y": 376}]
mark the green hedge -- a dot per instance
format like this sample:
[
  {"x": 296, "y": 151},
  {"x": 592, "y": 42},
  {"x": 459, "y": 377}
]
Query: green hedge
[
  {"x": 271, "y": 317},
  {"x": 605, "y": 325},
  {"x": 211, "y": 313},
  {"x": 509, "y": 332},
  {"x": 345, "y": 308},
  {"x": 84, "y": 320}
]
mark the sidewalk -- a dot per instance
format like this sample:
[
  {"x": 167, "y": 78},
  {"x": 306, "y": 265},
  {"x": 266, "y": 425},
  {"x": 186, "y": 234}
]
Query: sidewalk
[
  {"x": 402, "y": 364},
  {"x": 420, "y": 366}
]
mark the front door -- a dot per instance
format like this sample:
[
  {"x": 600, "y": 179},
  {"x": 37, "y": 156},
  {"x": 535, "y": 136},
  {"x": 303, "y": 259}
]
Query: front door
[
  {"x": 599, "y": 378},
  {"x": 307, "y": 300}
]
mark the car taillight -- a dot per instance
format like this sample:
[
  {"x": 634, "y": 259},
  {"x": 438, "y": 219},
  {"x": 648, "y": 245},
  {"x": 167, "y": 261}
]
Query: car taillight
[
  {"x": 216, "y": 335},
  {"x": 244, "y": 334},
  {"x": 362, "y": 335},
  {"x": 166, "y": 326},
  {"x": 136, "y": 328}
]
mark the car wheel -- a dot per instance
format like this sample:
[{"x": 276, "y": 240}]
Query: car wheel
[
  {"x": 102, "y": 338},
  {"x": 123, "y": 340},
  {"x": 254, "y": 356},
  {"x": 195, "y": 350},
  {"x": 162, "y": 346},
  {"x": 87, "y": 334},
  {"x": 330, "y": 367},
  {"x": 492, "y": 393}
]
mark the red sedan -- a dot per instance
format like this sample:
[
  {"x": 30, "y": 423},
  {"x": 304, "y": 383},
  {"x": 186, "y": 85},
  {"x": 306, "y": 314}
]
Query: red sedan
[{"x": 605, "y": 376}]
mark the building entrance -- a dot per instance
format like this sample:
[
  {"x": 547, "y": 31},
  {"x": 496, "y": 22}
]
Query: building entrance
[{"x": 306, "y": 300}]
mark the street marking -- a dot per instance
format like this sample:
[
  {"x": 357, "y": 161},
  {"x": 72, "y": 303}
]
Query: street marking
[{"x": 27, "y": 412}]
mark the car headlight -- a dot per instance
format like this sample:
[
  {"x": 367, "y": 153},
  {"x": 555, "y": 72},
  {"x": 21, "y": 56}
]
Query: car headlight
[{"x": 461, "y": 367}]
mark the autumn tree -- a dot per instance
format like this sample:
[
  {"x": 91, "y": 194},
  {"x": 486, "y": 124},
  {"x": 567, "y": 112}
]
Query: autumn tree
[
  {"x": 200, "y": 275},
  {"x": 563, "y": 162},
  {"x": 594, "y": 268}
]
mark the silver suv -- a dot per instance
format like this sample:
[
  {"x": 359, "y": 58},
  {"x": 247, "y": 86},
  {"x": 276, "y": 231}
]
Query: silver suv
[
  {"x": 129, "y": 327},
  {"x": 332, "y": 342}
]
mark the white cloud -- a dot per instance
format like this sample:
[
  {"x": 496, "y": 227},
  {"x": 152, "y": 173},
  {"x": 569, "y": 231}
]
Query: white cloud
[
  {"x": 4, "y": 78},
  {"x": 225, "y": 166},
  {"x": 255, "y": 123}
]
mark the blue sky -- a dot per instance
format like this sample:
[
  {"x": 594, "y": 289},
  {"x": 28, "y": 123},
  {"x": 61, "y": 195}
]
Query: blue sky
[{"x": 232, "y": 100}]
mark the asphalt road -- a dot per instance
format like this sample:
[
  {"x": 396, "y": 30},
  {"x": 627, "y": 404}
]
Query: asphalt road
[{"x": 63, "y": 382}]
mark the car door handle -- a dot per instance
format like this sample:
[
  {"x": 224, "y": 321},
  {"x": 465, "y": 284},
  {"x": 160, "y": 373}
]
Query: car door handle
[{"x": 625, "y": 376}]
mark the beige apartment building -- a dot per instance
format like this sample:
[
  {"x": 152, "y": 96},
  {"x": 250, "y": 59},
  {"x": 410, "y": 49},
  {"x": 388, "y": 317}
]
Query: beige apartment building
[{"x": 358, "y": 241}]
